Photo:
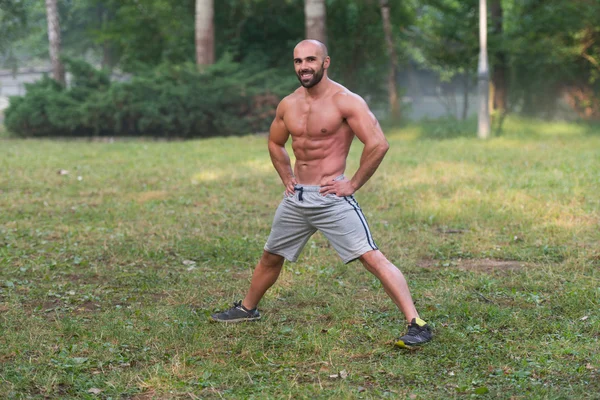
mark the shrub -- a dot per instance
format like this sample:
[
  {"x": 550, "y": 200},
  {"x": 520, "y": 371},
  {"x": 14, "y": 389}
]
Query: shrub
[{"x": 170, "y": 101}]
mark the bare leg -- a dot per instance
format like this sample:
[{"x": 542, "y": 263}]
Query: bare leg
[
  {"x": 393, "y": 282},
  {"x": 265, "y": 274}
]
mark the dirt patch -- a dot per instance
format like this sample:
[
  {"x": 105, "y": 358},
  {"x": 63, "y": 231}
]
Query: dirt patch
[
  {"x": 158, "y": 296},
  {"x": 361, "y": 357},
  {"x": 478, "y": 265},
  {"x": 487, "y": 265},
  {"x": 86, "y": 279},
  {"x": 4, "y": 358},
  {"x": 46, "y": 306},
  {"x": 144, "y": 396},
  {"x": 241, "y": 275},
  {"x": 154, "y": 195},
  {"x": 47, "y": 309},
  {"x": 87, "y": 307},
  {"x": 451, "y": 231}
]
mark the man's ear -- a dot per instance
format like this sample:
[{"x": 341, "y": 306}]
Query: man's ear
[{"x": 326, "y": 62}]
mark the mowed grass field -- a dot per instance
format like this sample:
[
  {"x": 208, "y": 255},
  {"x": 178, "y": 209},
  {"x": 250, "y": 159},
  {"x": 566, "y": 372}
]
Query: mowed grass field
[{"x": 109, "y": 271}]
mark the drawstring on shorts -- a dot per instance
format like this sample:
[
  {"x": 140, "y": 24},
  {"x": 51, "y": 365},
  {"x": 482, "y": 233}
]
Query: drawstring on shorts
[{"x": 300, "y": 190}]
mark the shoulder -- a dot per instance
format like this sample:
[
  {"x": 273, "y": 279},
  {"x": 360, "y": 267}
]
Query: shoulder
[
  {"x": 348, "y": 102},
  {"x": 286, "y": 103}
]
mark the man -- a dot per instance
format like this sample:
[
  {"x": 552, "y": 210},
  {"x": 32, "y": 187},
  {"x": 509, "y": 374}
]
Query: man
[{"x": 322, "y": 117}]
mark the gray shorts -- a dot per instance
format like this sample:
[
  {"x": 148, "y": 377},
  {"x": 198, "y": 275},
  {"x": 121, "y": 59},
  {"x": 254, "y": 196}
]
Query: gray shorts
[{"x": 340, "y": 219}]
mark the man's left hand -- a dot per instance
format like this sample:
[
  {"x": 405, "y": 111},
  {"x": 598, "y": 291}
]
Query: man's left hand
[{"x": 340, "y": 188}]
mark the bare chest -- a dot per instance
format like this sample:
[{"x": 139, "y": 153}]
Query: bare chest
[{"x": 313, "y": 120}]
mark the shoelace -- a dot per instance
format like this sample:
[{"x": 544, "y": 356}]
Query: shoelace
[
  {"x": 414, "y": 329},
  {"x": 238, "y": 305}
]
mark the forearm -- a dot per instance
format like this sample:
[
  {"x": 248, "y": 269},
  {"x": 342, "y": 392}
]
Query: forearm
[
  {"x": 281, "y": 161},
  {"x": 369, "y": 162}
]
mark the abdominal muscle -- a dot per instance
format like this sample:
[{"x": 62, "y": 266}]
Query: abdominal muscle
[{"x": 320, "y": 159}]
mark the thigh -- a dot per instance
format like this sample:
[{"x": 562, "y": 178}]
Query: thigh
[
  {"x": 345, "y": 226},
  {"x": 290, "y": 230}
]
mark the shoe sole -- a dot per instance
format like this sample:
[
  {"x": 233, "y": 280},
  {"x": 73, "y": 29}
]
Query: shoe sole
[
  {"x": 408, "y": 346},
  {"x": 233, "y": 321},
  {"x": 403, "y": 345}
]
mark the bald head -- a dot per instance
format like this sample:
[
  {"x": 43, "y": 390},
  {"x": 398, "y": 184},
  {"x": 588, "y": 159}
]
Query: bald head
[{"x": 313, "y": 45}]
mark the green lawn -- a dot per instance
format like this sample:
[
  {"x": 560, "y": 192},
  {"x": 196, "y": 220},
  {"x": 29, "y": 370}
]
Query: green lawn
[{"x": 108, "y": 273}]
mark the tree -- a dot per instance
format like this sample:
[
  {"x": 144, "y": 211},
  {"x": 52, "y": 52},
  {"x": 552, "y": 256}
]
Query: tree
[
  {"x": 205, "y": 32},
  {"x": 445, "y": 41},
  {"x": 261, "y": 33},
  {"x": 500, "y": 61},
  {"x": 483, "y": 75},
  {"x": 357, "y": 45},
  {"x": 13, "y": 25},
  {"x": 58, "y": 70},
  {"x": 555, "y": 54},
  {"x": 315, "y": 20},
  {"x": 393, "y": 68}
]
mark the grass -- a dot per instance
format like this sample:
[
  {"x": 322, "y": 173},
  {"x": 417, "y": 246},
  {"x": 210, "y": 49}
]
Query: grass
[
  {"x": 108, "y": 273},
  {"x": 3, "y": 133}
]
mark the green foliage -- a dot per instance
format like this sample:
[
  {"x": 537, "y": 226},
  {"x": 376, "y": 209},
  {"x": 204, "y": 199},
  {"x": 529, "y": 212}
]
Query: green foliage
[
  {"x": 259, "y": 32},
  {"x": 136, "y": 37},
  {"x": 13, "y": 23},
  {"x": 554, "y": 46},
  {"x": 25, "y": 37},
  {"x": 357, "y": 44},
  {"x": 169, "y": 101},
  {"x": 39, "y": 112},
  {"x": 551, "y": 47},
  {"x": 48, "y": 109},
  {"x": 263, "y": 33},
  {"x": 151, "y": 33},
  {"x": 446, "y": 37}
]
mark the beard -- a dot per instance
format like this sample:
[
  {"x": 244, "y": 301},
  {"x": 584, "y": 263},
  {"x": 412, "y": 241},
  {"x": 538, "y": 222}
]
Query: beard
[{"x": 316, "y": 76}]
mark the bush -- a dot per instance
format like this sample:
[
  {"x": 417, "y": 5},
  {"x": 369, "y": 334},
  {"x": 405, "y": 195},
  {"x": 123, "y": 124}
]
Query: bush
[{"x": 170, "y": 101}]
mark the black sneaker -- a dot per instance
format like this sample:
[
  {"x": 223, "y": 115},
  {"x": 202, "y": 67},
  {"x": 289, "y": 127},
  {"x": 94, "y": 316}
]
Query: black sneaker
[
  {"x": 237, "y": 313},
  {"x": 419, "y": 332}
]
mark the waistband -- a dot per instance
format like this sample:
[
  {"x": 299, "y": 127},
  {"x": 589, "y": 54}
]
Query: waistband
[
  {"x": 313, "y": 188},
  {"x": 305, "y": 188},
  {"x": 301, "y": 189}
]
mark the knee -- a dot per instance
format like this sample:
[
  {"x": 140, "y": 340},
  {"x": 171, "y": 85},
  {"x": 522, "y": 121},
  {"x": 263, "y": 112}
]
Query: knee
[
  {"x": 271, "y": 260},
  {"x": 374, "y": 261}
]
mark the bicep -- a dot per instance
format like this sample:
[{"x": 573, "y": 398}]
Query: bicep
[{"x": 278, "y": 133}]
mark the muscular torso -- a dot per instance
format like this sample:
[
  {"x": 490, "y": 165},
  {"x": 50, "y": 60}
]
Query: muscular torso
[{"x": 321, "y": 138}]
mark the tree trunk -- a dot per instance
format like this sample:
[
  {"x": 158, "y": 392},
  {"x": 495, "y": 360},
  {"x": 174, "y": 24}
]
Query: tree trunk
[
  {"x": 483, "y": 75},
  {"x": 58, "y": 70},
  {"x": 107, "y": 52},
  {"x": 315, "y": 20},
  {"x": 500, "y": 74},
  {"x": 205, "y": 32},
  {"x": 392, "y": 89},
  {"x": 465, "y": 108}
]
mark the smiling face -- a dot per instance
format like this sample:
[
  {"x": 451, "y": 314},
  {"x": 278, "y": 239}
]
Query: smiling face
[{"x": 310, "y": 62}]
